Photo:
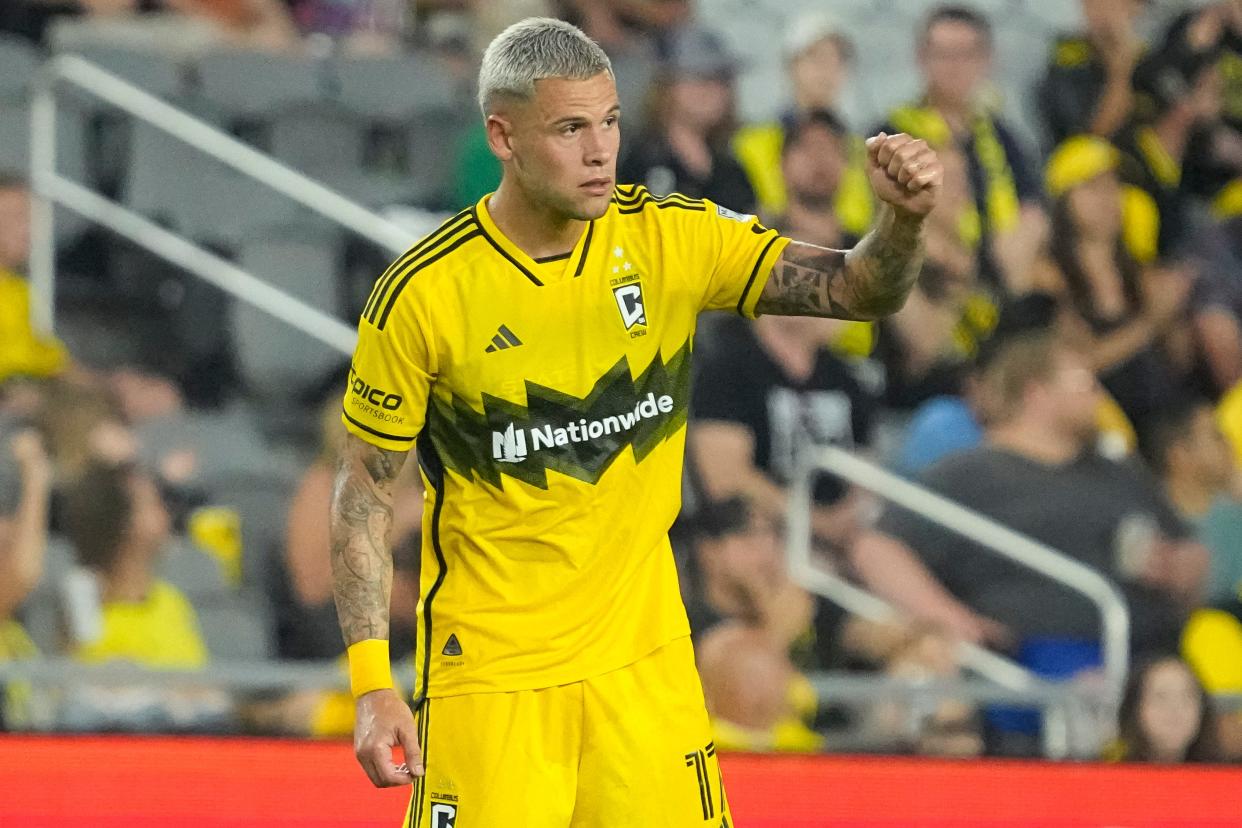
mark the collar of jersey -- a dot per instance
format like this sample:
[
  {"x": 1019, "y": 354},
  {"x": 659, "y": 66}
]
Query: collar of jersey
[{"x": 519, "y": 258}]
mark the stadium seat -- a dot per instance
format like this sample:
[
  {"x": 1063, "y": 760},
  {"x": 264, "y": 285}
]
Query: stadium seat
[
  {"x": 19, "y": 61},
  {"x": 197, "y": 195},
  {"x": 275, "y": 359},
  {"x": 318, "y": 137},
  {"x": 253, "y": 85},
  {"x": 192, "y": 571},
  {"x": 393, "y": 90},
  {"x": 41, "y": 614},
  {"x": 158, "y": 74},
  {"x": 236, "y": 629}
]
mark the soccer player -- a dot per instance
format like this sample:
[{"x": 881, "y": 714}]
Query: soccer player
[{"x": 536, "y": 351}]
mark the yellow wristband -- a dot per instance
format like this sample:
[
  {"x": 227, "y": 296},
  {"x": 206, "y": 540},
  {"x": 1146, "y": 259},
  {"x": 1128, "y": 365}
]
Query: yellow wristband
[{"x": 369, "y": 668}]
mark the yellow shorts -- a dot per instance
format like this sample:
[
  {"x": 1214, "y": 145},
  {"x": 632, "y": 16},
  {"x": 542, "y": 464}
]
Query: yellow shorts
[{"x": 626, "y": 749}]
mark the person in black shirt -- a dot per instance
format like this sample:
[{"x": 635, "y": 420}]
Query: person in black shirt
[
  {"x": 762, "y": 393},
  {"x": 1088, "y": 87},
  {"x": 686, "y": 147}
]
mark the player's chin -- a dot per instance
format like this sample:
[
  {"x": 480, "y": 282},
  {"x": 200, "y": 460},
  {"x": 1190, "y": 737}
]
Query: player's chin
[{"x": 591, "y": 207}]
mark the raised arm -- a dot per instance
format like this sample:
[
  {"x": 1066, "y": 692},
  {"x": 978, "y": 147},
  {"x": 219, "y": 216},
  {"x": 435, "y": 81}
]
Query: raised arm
[
  {"x": 873, "y": 279},
  {"x": 362, "y": 497}
]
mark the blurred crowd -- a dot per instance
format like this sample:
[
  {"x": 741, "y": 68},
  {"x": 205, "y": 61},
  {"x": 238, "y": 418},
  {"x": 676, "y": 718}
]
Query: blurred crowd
[{"x": 1069, "y": 364}]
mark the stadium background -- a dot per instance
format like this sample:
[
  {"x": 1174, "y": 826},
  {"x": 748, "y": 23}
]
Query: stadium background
[{"x": 183, "y": 432}]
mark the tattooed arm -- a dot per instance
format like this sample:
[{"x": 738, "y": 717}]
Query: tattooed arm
[
  {"x": 361, "y": 525},
  {"x": 874, "y": 278}
]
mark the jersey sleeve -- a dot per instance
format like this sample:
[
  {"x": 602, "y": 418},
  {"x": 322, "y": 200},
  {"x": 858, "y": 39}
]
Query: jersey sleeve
[
  {"x": 738, "y": 253},
  {"x": 389, "y": 381}
]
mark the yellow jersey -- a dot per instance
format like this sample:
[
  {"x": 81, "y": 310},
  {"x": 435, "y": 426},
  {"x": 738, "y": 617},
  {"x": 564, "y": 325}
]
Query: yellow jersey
[
  {"x": 159, "y": 632},
  {"x": 548, "y": 402}
]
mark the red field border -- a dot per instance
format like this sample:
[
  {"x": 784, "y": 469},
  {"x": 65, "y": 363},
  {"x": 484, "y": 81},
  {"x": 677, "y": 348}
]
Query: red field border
[{"x": 110, "y": 782}]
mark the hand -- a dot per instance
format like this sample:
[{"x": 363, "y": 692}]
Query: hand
[
  {"x": 904, "y": 172},
  {"x": 31, "y": 457},
  {"x": 1166, "y": 292},
  {"x": 381, "y": 722}
]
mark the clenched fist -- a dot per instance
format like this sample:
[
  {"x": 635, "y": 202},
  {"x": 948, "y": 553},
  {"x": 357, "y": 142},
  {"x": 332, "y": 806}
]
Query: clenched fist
[{"x": 904, "y": 172}]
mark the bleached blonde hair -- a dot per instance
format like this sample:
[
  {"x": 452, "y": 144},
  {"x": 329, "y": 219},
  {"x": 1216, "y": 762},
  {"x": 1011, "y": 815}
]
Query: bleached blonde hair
[{"x": 534, "y": 49}]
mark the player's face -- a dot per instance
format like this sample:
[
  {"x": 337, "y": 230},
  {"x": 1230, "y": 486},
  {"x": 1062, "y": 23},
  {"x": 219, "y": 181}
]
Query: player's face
[
  {"x": 561, "y": 147},
  {"x": 956, "y": 59}
]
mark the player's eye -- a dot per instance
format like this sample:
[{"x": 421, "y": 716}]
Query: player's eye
[
  {"x": 570, "y": 129},
  {"x": 611, "y": 120}
]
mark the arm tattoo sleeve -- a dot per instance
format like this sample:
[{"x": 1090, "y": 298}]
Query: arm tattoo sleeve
[
  {"x": 868, "y": 282},
  {"x": 361, "y": 554}
]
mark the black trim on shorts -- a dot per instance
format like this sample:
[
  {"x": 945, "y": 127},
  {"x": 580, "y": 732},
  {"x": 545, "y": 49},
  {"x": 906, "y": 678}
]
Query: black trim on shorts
[{"x": 741, "y": 303}]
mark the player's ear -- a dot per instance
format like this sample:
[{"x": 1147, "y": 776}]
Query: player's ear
[{"x": 500, "y": 137}]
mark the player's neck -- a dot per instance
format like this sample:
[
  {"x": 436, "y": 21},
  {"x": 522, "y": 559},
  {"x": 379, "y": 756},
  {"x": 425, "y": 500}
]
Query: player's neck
[{"x": 538, "y": 231}]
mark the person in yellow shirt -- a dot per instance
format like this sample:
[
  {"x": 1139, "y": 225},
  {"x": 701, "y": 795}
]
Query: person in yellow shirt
[
  {"x": 23, "y": 350},
  {"x": 23, "y": 541},
  {"x": 118, "y": 524},
  {"x": 536, "y": 350}
]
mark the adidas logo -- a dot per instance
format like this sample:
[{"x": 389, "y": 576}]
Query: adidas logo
[
  {"x": 503, "y": 340},
  {"x": 452, "y": 647}
]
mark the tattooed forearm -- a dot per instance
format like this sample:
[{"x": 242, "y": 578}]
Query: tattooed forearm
[
  {"x": 868, "y": 282},
  {"x": 361, "y": 554}
]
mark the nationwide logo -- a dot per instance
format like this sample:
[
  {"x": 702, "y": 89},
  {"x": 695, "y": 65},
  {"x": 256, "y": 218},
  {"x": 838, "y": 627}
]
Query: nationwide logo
[
  {"x": 509, "y": 446},
  {"x": 554, "y": 431}
]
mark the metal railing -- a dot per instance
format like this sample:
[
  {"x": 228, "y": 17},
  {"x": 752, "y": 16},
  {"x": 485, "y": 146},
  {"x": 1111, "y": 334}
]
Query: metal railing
[
  {"x": 50, "y": 188},
  {"x": 1039, "y": 557}
]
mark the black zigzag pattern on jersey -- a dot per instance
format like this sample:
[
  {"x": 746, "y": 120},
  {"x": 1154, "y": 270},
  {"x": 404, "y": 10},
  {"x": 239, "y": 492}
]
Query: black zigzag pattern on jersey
[
  {"x": 635, "y": 198},
  {"x": 451, "y": 235},
  {"x": 464, "y": 437}
]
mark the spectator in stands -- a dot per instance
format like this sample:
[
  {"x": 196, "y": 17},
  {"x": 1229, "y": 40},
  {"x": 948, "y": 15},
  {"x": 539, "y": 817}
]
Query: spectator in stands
[
  {"x": 927, "y": 346},
  {"x": 1187, "y": 449},
  {"x": 818, "y": 57},
  {"x": 1208, "y": 40},
  {"x": 1088, "y": 88},
  {"x": 1179, "y": 101},
  {"x": 1131, "y": 319},
  {"x": 614, "y": 23},
  {"x": 815, "y": 163},
  {"x": 1217, "y": 297},
  {"x": 1212, "y": 646},
  {"x": 1166, "y": 716},
  {"x": 763, "y": 390},
  {"x": 955, "y": 56},
  {"x": 686, "y": 146},
  {"x": 746, "y": 616},
  {"x": 119, "y": 525},
  {"x": 23, "y": 542},
  {"x": 314, "y": 631},
  {"x": 23, "y": 350},
  {"x": 1039, "y": 474}
]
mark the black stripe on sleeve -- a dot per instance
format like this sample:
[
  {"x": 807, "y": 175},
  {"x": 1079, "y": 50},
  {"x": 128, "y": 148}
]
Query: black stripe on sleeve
[
  {"x": 433, "y": 469},
  {"x": 409, "y": 274},
  {"x": 394, "y": 437},
  {"x": 439, "y": 234},
  {"x": 741, "y": 303}
]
